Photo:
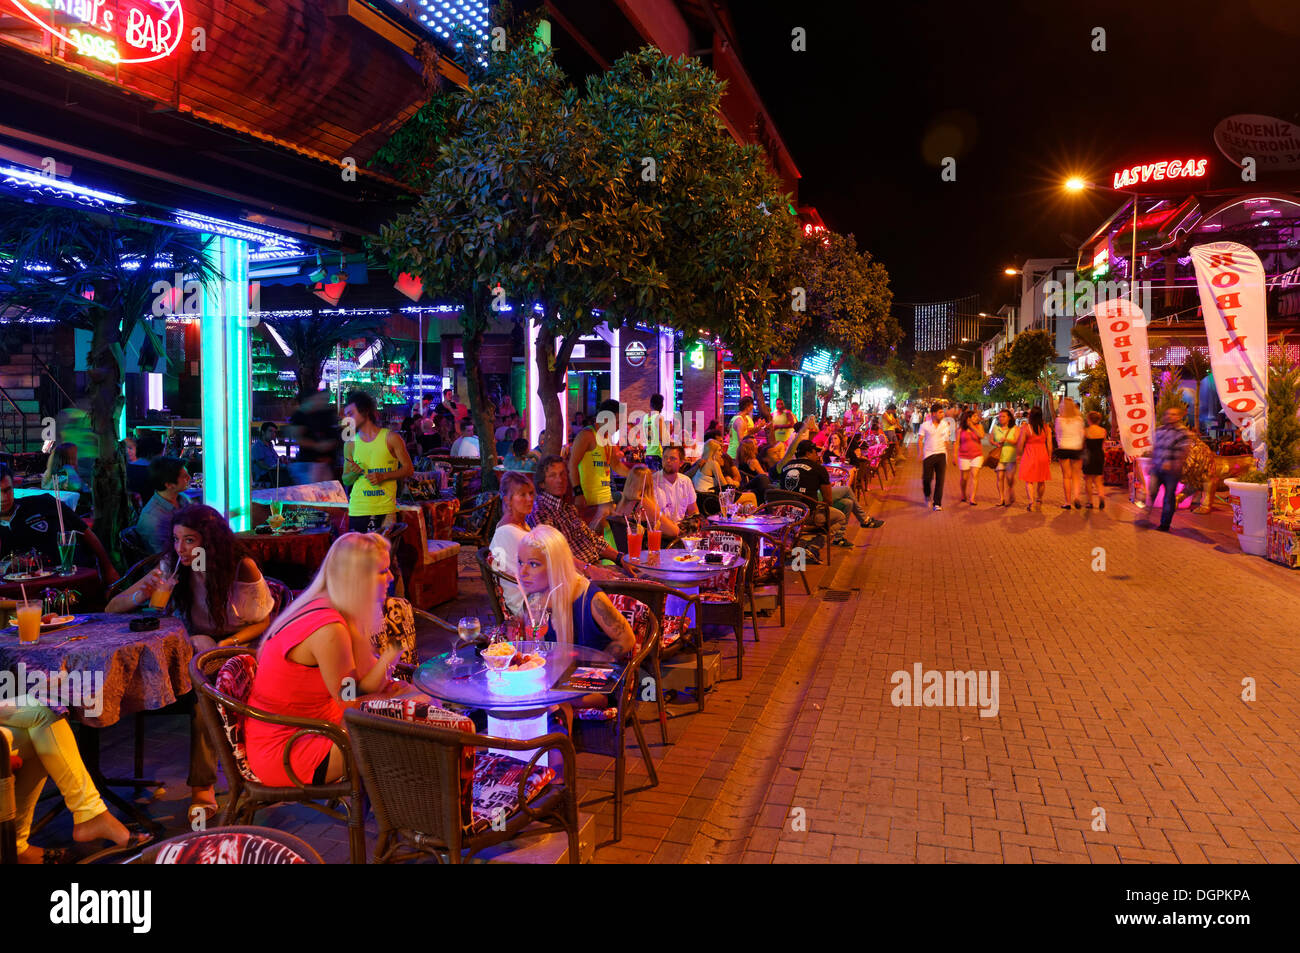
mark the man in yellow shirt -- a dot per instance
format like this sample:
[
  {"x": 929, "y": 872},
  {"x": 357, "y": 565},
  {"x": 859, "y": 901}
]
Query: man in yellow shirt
[{"x": 592, "y": 462}]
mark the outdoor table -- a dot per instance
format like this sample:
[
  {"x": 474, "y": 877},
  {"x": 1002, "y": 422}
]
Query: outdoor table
[
  {"x": 516, "y": 706},
  {"x": 122, "y": 672},
  {"x": 291, "y": 557},
  {"x": 663, "y": 566},
  {"x": 85, "y": 580},
  {"x": 761, "y": 523}
]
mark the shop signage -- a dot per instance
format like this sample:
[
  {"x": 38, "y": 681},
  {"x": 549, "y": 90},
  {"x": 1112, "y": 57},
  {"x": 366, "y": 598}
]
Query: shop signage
[
  {"x": 1272, "y": 143},
  {"x": 120, "y": 32},
  {"x": 1231, "y": 281},
  {"x": 1123, "y": 330},
  {"x": 635, "y": 353},
  {"x": 1159, "y": 172}
]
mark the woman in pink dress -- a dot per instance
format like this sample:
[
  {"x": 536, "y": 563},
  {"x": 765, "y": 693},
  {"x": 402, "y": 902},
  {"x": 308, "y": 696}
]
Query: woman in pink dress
[{"x": 1035, "y": 452}]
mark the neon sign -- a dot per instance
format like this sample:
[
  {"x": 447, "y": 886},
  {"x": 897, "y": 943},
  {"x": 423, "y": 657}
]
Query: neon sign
[
  {"x": 1159, "y": 172},
  {"x": 119, "y": 32}
]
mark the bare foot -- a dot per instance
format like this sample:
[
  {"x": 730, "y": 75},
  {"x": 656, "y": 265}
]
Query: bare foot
[{"x": 101, "y": 827}]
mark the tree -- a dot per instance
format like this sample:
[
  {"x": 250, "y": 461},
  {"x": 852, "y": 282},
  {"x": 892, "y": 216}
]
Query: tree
[
  {"x": 100, "y": 273},
  {"x": 313, "y": 338},
  {"x": 849, "y": 304},
  {"x": 1282, "y": 435},
  {"x": 968, "y": 386}
]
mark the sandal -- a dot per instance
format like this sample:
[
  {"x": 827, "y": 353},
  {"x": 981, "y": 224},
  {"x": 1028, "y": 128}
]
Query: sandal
[{"x": 209, "y": 808}]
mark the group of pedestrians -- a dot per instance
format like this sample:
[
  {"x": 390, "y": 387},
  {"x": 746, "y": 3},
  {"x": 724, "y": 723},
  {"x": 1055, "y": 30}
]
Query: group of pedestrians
[{"x": 1014, "y": 447}]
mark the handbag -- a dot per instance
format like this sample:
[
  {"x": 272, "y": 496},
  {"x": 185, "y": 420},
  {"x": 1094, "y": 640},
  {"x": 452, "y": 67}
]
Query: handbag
[{"x": 992, "y": 459}]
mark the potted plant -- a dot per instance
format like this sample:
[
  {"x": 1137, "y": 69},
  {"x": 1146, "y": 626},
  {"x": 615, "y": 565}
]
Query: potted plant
[{"x": 1249, "y": 493}]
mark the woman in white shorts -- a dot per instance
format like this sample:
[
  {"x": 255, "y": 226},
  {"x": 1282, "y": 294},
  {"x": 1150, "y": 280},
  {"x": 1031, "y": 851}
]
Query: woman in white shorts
[{"x": 970, "y": 454}]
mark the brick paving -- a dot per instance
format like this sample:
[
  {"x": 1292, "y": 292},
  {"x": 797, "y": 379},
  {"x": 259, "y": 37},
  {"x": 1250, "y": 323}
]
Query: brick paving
[{"x": 1119, "y": 690}]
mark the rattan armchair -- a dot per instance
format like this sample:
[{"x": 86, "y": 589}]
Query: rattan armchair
[
  {"x": 494, "y": 582},
  {"x": 816, "y": 508},
  {"x": 609, "y": 736},
  {"x": 789, "y": 534},
  {"x": 768, "y": 577},
  {"x": 726, "y": 607},
  {"x": 413, "y": 775},
  {"x": 343, "y": 798},
  {"x": 476, "y": 523}
]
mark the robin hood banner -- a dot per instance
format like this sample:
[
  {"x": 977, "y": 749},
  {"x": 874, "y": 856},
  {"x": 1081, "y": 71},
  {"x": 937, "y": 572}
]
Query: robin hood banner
[
  {"x": 1231, "y": 280},
  {"x": 1123, "y": 330}
]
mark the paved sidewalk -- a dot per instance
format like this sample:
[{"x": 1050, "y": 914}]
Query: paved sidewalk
[{"x": 1120, "y": 691}]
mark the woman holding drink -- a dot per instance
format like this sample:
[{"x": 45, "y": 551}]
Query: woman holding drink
[
  {"x": 638, "y": 505},
  {"x": 222, "y": 598}
]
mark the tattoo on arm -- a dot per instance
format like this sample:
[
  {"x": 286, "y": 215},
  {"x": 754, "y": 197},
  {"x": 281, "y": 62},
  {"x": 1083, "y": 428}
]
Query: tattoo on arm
[{"x": 611, "y": 620}]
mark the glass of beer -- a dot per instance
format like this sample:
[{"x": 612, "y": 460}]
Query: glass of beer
[{"x": 29, "y": 622}]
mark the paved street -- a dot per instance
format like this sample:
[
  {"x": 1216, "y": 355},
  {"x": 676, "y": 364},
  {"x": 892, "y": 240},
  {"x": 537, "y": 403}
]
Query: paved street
[{"x": 1120, "y": 690}]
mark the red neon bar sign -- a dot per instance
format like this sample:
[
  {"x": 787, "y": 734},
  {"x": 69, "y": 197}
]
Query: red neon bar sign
[
  {"x": 120, "y": 32},
  {"x": 1159, "y": 172}
]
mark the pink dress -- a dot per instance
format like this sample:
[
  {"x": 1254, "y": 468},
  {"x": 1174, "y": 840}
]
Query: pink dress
[{"x": 1034, "y": 463}]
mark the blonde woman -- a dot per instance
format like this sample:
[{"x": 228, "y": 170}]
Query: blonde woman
[
  {"x": 638, "y": 502},
  {"x": 580, "y": 613},
  {"x": 1069, "y": 450},
  {"x": 709, "y": 475},
  {"x": 317, "y": 660},
  {"x": 517, "y": 498}
]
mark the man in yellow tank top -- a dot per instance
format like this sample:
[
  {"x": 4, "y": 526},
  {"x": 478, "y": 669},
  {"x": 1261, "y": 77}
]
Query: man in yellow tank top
[
  {"x": 373, "y": 461},
  {"x": 592, "y": 462}
]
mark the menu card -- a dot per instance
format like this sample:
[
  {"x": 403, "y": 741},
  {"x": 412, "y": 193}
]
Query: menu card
[{"x": 589, "y": 678}]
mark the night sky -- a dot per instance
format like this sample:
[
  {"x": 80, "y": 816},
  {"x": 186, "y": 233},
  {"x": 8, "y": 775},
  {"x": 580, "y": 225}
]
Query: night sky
[{"x": 1014, "y": 91}]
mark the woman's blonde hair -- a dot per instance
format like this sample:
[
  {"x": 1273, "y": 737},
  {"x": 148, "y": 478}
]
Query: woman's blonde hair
[
  {"x": 1069, "y": 408},
  {"x": 347, "y": 580},
  {"x": 634, "y": 488},
  {"x": 567, "y": 585}
]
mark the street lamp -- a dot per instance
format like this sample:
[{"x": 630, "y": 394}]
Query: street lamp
[
  {"x": 1011, "y": 272},
  {"x": 1076, "y": 184}
]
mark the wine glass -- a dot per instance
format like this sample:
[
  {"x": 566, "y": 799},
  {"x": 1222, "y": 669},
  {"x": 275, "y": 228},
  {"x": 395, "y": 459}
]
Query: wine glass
[
  {"x": 467, "y": 633},
  {"x": 539, "y": 632}
]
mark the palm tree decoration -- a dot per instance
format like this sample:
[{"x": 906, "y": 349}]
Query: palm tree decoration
[
  {"x": 98, "y": 272},
  {"x": 313, "y": 337}
]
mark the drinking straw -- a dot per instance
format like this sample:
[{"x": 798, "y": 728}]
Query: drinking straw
[{"x": 58, "y": 503}]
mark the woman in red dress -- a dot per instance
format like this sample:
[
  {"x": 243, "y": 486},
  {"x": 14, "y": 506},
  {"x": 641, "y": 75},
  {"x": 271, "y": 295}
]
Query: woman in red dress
[{"x": 1035, "y": 451}]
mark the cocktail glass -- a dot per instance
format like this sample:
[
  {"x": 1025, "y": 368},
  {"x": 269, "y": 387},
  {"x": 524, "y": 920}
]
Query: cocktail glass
[{"x": 67, "y": 552}]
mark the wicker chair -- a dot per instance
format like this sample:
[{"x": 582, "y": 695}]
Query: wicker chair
[
  {"x": 260, "y": 845},
  {"x": 769, "y": 570},
  {"x": 493, "y": 582},
  {"x": 725, "y": 605},
  {"x": 134, "y": 547},
  {"x": 816, "y": 508},
  {"x": 343, "y": 798},
  {"x": 413, "y": 773},
  {"x": 476, "y": 521},
  {"x": 790, "y": 533},
  {"x": 608, "y": 735},
  {"x": 677, "y": 634}
]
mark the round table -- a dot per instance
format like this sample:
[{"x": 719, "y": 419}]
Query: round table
[
  {"x": 85, "y": 580},
  {"x": 686, "y": 576},
  {"x": 516, "y": 707},
  {"x": 293, "y": 557},
  {"x": 761, "y": 523},
  {"x": 121, "y": 672}
]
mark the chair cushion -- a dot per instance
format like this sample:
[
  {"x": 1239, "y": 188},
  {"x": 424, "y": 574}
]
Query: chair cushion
[
  {"x": 474, "y": 523},
  {"x": 673, "y": 627},
  {"x": 496, "y": 787},
  {"x": 436, "y": 550},
  {"x": 220, "y": 847},
  {"x": 399, "y": 628},
  {"x": 235, "y": 680},
  {"x": 596, "y": 714},
  {"x": 636, "y": 612},
  {"x": 422, "y": 489},
  {"x": 439, "y": 517}
]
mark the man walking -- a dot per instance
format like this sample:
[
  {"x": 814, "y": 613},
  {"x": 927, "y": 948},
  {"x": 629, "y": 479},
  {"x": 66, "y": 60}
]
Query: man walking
[
  {"x": 932, "y": 448},
  {"x": 1168, "y": 454}
]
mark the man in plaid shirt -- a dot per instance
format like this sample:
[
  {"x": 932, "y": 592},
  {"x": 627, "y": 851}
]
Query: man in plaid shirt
[{"x": 1168, "y": 453}]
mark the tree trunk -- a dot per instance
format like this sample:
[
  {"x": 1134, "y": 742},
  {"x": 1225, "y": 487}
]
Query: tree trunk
[
  {"x": 756, "y": 390},
  {"x": 482, "y": 410},
  {"x": 108, "y": 482},
  {"x": 551, "y": 381},
  {"x": 830, "y": 391}
]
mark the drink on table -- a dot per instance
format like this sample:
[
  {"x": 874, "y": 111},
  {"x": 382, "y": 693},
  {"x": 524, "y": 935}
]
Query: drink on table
[
  {"x": 654, "y": 538},
  {"x": 29, "y": 621},
  {"x": 162, "y": 592},
  {"x": 467, "y": 632},
  {"x": 67, "y": 552},
  {"x": 634, "y": 542}
]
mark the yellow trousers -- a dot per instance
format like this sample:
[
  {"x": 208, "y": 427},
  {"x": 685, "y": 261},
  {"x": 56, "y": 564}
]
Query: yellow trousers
[{"x": 44, "y": 740}]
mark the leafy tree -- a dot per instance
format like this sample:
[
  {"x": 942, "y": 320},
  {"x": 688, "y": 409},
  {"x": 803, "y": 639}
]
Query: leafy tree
[
  {"x": 1282, "y": 435},
  {"x": 968, "y": 386},
  {"x": 97, "y": 273},
  {"x": 849, "y": 304}
]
